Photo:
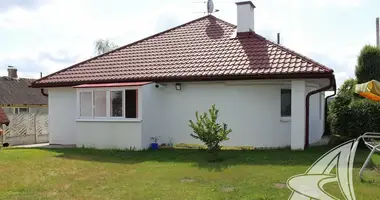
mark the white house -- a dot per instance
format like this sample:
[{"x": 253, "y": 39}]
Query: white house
[{"x": 270, "y": 96}]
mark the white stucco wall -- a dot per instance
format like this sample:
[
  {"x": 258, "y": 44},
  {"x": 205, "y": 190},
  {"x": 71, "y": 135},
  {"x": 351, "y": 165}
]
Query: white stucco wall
[
  {"x": 298, "y": 114},
  {"x": 62, "y": 115},
  {"x": 109, "y": 135},
  {"x": 251, "y": 110},
  {"x": 316, "y": 118}
]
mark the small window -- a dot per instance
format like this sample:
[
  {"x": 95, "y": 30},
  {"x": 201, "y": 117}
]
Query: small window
[
  {"x": 24, "y": 110},
  {"x": 21, "y": 110},
  {"x": 86, "y": 104},
  {"x": 286, "y": 102},
  {"x": 116, "y": 103}
]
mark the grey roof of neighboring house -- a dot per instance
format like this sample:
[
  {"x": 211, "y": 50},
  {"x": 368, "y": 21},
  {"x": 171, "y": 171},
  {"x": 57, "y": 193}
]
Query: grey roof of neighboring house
[{"x": 16, "y": 91}]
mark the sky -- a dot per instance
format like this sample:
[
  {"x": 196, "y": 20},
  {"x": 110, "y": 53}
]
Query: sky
[{"x": 49, "y": 35}]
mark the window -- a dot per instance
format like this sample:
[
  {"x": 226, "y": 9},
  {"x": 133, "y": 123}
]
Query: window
[
  {"x": 286, "y": 102},
  {"x": 21, "y": 110},
  {"x": 86, "y": 104},
  {"x": 100, "y": 102},
  {"x": 108, "y": 103},
  {"x": 116, "y": 103},
  {"x": 131, "y": 103}
]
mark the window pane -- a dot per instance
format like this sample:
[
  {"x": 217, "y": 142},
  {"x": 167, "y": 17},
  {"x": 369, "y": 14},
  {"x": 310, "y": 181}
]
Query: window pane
[
  {"x": 286, "y": 102},
  {"x": 116, "y": 103},
  {"x": 86, "y": 104},
  {"x": 131, "y": 103},
  {"x": 100, "y": 99},
  {"x": 24, "y": 110}
]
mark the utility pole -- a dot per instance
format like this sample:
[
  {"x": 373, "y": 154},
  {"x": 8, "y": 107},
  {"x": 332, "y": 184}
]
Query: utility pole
[{"x": 377, "y": 32}]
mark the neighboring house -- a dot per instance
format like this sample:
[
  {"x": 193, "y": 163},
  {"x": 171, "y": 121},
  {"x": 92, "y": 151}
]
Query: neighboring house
[
  {"x": 17, "y": 97},
  {"x": 268, "y": 95}
]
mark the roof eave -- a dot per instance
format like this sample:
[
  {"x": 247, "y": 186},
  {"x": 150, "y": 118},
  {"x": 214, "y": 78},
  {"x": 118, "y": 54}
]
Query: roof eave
[{"x": 189, "y": 79}]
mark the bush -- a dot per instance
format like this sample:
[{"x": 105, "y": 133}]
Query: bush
[
  {"x": 368, "y": 66},
  {"x": 346, "y": 94},
  {"x": 362, "y": 115},
  {"x": 208, "y": 130}
]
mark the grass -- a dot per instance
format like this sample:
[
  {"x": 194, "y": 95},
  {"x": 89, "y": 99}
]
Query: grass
[{"x": 162, "y": 175}]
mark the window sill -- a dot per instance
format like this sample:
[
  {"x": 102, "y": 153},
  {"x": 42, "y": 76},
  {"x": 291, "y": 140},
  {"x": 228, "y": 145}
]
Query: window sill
[
  {"x": 108, "y": 120},
  {"x": 286, "y": 119}
]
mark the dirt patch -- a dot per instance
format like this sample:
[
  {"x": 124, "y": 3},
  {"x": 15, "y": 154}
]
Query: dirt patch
[
  {"x": 187, "y": 180},
  {"x": 279, "y": 185},
  {"x": 228, "y": 189}
]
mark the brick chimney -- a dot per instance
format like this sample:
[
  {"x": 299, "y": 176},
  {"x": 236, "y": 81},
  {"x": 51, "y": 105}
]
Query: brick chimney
[
  {"x": 12, "y": 72},
  {"x": 245, "y": 17}
]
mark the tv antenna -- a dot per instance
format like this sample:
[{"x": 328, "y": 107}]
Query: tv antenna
[{"x": 210, "y": 6}]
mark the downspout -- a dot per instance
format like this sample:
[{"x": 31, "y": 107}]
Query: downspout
[
  {"x": 43, "y": 92},
  {"x": 332, "y": 84}
]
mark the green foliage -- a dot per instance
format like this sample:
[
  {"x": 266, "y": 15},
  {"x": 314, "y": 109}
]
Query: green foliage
[
  {"x": 346, "y": 94},
  {"x": 208, "y": 130},
  {"x": 368, "y": 66},
  {"x": 360, "y": 116},
  {"x": 351, "y": 115}
]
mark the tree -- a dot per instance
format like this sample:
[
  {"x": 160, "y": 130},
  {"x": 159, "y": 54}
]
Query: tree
[
  {"x": 368, "y": 66},
  {"x": 103, "y": 46},
  {"x": 208, "y": 130}
]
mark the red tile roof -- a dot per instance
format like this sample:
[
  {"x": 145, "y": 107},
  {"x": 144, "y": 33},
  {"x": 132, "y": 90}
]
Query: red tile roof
[{"x": 203, "y": 49}]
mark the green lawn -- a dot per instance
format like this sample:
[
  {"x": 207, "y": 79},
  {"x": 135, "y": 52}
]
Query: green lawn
[{"x": 165, "y": 174}]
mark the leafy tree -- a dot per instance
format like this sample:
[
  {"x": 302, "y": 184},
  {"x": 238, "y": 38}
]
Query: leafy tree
[
  {"x": 103, "y": 46},
  {"x": 208, "y": 130},
  {"x": 368, "y": 66}
]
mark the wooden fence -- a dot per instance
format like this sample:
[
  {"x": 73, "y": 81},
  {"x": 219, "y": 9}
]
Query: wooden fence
[{"x": 26, "y": 128}]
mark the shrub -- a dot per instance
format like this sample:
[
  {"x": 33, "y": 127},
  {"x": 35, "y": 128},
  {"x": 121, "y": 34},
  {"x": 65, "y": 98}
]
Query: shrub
[
  {"x": 208, "y": 130},
  {"x": 362, "y": 115},
  {"x": 346, "y": 94},
  {"x": 368, "y": 66}
]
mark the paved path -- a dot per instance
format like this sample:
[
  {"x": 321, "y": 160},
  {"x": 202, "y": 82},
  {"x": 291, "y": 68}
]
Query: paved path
[{"x": 44, "y": 145}]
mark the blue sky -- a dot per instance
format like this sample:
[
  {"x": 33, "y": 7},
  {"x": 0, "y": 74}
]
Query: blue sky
[{"x": 48, "y": 35}]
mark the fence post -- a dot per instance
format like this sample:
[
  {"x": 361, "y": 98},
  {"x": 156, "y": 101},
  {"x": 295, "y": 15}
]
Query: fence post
[{"x": 35, "y": 128}]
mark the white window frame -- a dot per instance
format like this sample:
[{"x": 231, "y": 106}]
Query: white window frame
[
  {"x": 123, "y": 102},
  {"x": 108, "y": 104}
]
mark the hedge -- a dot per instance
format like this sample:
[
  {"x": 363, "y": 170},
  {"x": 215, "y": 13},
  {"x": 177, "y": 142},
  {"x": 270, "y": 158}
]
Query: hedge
[
  {"x": 360, "y": 116},
  {"x": 351, "y": 115}
]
